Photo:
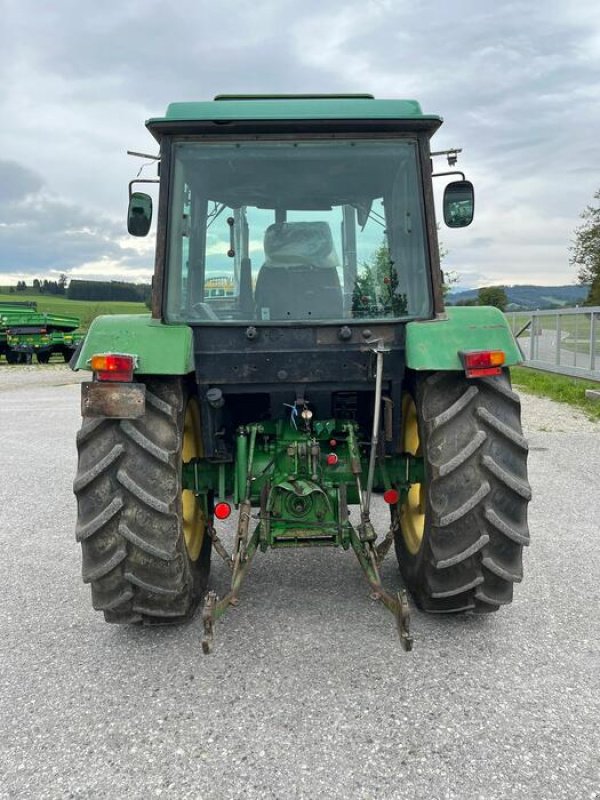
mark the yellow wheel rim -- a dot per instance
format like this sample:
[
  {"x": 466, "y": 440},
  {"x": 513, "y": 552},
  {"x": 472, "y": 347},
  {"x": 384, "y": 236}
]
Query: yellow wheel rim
[
  {"x": 193, "y": 516},
  {"x": 412, "y": 513}
]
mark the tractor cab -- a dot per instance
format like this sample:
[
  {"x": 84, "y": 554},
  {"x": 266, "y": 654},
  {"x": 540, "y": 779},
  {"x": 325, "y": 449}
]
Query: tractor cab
[{"x": 323, "y": 220}]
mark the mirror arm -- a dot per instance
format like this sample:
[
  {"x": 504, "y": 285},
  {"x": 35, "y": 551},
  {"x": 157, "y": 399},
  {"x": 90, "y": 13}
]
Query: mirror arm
[
  {"x": 141, "y": 180},
  {"x": 142, "y": 155},
  {"x": 455, "y": 172}
]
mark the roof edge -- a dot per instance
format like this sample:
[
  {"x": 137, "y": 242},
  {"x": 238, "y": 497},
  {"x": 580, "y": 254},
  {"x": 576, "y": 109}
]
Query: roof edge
[{"x": 232, "y": 108}]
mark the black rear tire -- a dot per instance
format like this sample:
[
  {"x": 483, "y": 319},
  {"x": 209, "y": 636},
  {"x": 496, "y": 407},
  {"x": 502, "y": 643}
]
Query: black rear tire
[
  {"x": 44, "y": 357},
  {"x": 475, "y": 494},
  {"x": 130, "y": 517}
]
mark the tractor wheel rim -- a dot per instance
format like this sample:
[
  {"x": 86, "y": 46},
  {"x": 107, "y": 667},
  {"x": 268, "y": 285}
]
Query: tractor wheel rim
[
  {"x": 412, "y": 513},
  {"x": 192, "y": 514}
]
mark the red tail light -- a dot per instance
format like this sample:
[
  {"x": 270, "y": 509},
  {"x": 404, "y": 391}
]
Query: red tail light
[
  {"x": 111, "y": 367},
  {"x": 478, "y": 363}
]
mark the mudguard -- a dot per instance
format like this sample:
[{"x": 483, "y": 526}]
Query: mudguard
[
  {"x": 435, "y": 344},
  {"x": 160, "y": 349}
]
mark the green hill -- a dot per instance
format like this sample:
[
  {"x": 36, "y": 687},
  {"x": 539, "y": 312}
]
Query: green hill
[{"x": 530, "y": 298}]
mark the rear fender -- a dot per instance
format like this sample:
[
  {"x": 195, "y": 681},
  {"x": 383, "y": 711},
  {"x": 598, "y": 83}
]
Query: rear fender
[
  {"x": 160, "y": 349},
  {"x": 436, "y": 344}
]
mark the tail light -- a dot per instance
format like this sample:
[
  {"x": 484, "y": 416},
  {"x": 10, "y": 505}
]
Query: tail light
[
  {"x": 113, "y": 367},
  {"x": 478, "y": 363}
]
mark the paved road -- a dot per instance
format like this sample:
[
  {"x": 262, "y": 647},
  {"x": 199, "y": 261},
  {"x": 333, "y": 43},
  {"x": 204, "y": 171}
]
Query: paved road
[{"x": 308, "y": 694}]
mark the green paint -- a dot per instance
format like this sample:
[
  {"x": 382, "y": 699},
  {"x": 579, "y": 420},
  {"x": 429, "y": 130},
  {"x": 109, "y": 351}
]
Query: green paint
[
  {"x": 34, "y": 342},
  {"x": 303, "y": 500},
  {"x": 285, "y": 470},
  {"x": 24, "y": 329},
  {"x": 30, "y": 318},
  {"x": 284, "y": 108},
  {"x": 435, "y": 344},
  {"x": 160, "y": 349}
]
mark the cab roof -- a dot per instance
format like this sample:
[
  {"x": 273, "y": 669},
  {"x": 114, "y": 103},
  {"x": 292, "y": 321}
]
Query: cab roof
[{"x": 284, "y": 108}]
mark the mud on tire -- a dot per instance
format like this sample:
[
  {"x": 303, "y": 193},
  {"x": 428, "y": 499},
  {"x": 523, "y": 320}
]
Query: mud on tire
[
  {"x": 129, "y": 498},
  {"x": 476, "y": 494}
]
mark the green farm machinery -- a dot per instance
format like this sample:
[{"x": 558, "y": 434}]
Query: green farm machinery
[
  {"x": 25, "y": 332},
  {"x": 299, "y": 366}
]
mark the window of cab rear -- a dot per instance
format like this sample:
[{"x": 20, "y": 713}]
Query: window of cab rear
[{"x": 269, "y": 232}]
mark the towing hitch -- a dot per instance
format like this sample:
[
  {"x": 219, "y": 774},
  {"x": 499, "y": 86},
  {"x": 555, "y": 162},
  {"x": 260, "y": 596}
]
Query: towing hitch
[{"x": 244, "y": 550}]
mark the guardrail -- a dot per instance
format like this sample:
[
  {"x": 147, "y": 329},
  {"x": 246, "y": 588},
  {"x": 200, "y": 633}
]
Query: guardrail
[{"x": 565, "y": 341}]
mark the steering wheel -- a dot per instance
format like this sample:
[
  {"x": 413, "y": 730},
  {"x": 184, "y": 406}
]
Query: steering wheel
[{"x": 204, "y": 311}]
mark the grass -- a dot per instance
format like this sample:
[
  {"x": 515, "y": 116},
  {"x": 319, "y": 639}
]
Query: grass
[
  {"x": 557, "y": 387},
  {"x": 86, "y": 310}
]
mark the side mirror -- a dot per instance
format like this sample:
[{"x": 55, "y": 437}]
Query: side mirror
[
  {"x": 139, "y": 214},
  {"x": 459, "y": 204}
]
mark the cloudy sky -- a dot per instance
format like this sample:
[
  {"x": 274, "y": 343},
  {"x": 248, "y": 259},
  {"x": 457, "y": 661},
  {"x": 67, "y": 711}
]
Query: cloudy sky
[{"x": 517, "y": 83}]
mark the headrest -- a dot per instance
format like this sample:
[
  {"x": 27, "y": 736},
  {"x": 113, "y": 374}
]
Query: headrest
[{"x": 298, "y": 244}]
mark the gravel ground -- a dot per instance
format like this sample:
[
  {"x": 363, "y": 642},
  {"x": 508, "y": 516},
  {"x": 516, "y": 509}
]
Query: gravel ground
[
  {"x": 308, "y": 694},
  {"x": 13, "y": 376}
]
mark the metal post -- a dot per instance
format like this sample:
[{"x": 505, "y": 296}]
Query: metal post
[
  {"x": 532, "y": 334},
  {"x": 592, "y": 341},
  {"x": 576, "y": 340},
  {"x": 558, "y": 335},
  {"x": 376, "y": 418},
  {"x": 241, "y": 464}
]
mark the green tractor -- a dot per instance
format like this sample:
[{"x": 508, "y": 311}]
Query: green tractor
[{"x": 298, "y": 362}]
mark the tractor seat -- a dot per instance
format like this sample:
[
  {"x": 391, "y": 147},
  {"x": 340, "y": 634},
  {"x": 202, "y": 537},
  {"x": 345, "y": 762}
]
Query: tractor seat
[{"x": 299, "y": 279}]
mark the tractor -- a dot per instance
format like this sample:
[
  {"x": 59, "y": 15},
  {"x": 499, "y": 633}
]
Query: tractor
[{"x": 298, "y": 365}]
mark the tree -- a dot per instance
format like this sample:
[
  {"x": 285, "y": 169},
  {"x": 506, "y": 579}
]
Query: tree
[
  {"x": 492, "y": 296},
  {"x": 449, "y": 279},
  {"x": 585, "y": 252},
  {"x": 375, "y": 292}
]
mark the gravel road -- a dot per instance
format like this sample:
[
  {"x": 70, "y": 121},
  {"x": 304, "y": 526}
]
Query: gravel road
[{"x": 308, "y": 693}]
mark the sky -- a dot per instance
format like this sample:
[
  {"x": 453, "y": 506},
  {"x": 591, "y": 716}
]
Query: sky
[{"x": 517, "y": 83}]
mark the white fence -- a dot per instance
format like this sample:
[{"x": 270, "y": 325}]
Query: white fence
[{"x": 565, "y": 341}]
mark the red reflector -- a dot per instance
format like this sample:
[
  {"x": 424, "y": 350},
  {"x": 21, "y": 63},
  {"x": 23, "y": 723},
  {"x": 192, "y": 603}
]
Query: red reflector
[
  {"x": 391, "y": 497},
  {"x": 482, "y": 362},
  {"x": 332, "y": 459},
  {"x": 113, "y": 367},
  {"x": 332, "y": 443},
  {"x": 222, "y": 510}
]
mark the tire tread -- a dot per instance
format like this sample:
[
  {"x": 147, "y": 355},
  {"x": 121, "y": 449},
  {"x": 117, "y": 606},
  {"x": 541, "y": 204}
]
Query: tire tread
[
  {"x": 128, "y": 487},
  {"x": 477, "y": 494}
]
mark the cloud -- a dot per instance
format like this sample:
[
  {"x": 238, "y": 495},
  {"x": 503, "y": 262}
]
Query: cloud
[
  {"x": 517, "y": 83},
  {"x": 41, "y": 234},
  {"x": 17, "y": 182}
]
